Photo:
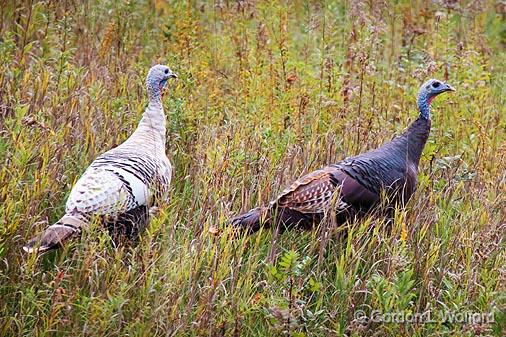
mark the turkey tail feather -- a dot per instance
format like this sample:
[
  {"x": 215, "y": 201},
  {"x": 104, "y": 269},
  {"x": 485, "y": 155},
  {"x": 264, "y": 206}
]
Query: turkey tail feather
[
  {"x": 55, "y": 235},
  {"x": 252, "y": 220}
]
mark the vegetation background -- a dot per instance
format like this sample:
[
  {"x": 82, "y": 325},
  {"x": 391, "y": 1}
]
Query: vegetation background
[{"x": 268, "y": 91}]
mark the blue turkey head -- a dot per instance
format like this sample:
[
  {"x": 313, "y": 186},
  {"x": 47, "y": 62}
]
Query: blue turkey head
[
  {"x": 428, "y": 91},
  {"x": 158, "y": 76}
]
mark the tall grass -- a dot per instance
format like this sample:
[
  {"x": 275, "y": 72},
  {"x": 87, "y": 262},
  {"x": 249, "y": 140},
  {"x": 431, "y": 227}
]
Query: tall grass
[{"x": 268, "y": 91}]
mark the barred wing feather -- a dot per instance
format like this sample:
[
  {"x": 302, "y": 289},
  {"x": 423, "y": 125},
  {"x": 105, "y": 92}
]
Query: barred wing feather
[
  {"x": 312, "y": 193},
  {"x": 101, "y": 191}
]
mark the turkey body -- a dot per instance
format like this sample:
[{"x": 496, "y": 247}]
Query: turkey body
[
  {"x": 121, "y": 185},
  {"x": 350, "y": 188}
]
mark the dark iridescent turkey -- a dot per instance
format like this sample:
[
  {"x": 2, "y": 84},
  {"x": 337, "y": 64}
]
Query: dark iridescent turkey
[{"x": 356, "y": 184}]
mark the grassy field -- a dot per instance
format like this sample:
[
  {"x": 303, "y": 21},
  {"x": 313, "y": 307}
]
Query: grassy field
[{"x": 267, "y": 91}]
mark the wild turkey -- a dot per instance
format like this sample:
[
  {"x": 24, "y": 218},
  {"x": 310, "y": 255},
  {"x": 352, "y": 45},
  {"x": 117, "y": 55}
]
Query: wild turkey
[
  {"x": 122, "y": 184},
  {"x": 356, "y": 184}
]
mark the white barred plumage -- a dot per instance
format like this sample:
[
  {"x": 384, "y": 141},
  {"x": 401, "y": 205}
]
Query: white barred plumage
[{"x": 127, "y": 179}]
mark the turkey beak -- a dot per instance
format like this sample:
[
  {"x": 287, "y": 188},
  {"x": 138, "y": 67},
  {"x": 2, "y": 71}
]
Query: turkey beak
[
  {"x": 173, "y": 76},
  {"x": 450, "y": 88}
]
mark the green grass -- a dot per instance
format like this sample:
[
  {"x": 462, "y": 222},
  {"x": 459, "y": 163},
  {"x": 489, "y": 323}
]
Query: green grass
[{"x": 267, "y": 92}]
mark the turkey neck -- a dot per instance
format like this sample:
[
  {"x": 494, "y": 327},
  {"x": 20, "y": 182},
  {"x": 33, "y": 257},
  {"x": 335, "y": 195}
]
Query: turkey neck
[
  {"x": 416, "y": 136},
  {"x": 152, "y": 124},
  {"x": 418, "y": 132}
]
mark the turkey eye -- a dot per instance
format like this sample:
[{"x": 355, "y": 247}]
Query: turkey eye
[
  {"x": 166, "y": 71},
  {"x": 436, "y": 84}
]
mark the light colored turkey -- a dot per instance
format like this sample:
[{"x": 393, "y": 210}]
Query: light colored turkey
[
  {"x": 124, "y": 183},
  {"x": 355, "y": 185}
]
